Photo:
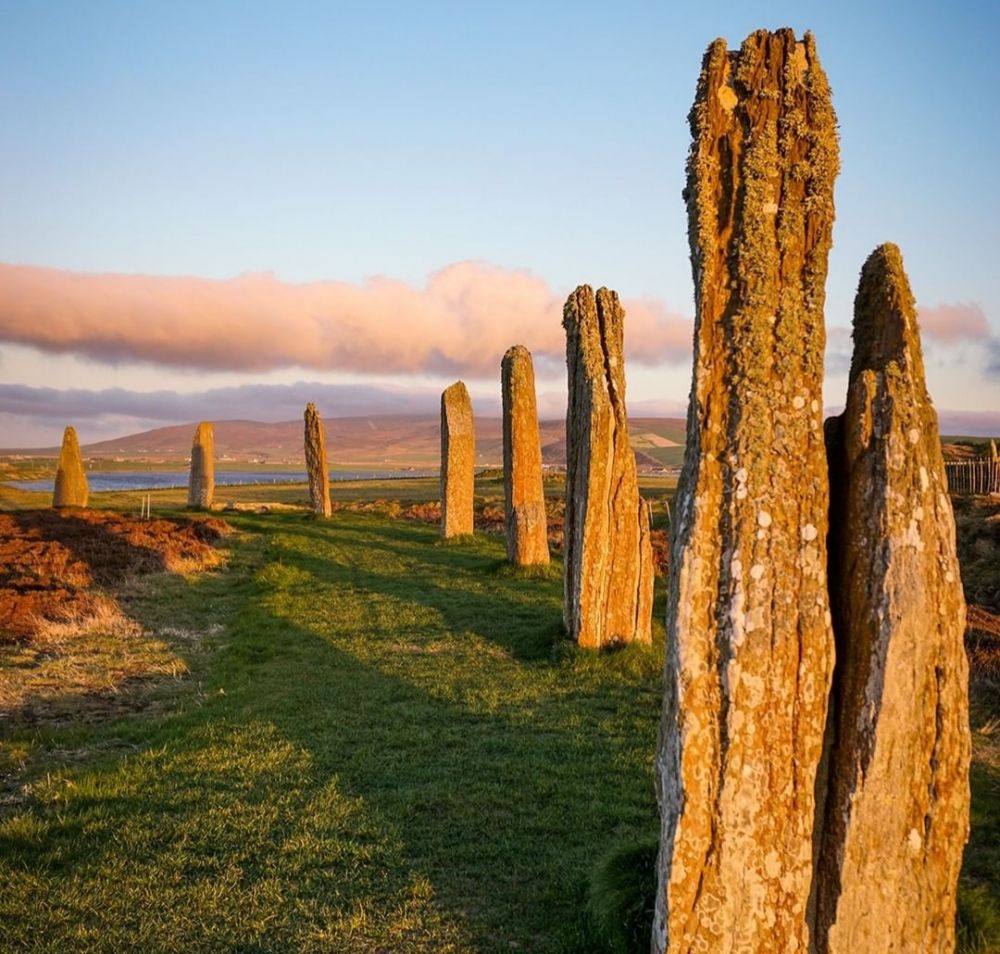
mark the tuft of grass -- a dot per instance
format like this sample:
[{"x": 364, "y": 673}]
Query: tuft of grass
[
  {"x": 507, "y": 570},
  {"x": 978, "y": 920},
  {"x": 622, "y": 896}
]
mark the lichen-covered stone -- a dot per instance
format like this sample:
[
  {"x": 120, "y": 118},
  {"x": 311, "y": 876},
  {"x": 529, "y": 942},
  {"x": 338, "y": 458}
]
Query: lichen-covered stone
[
  {"x": 897, "y": 810},
  {"x": 71, "y": 479},
  {"x": 524, "y": 498},
  {"x": 317, "y": 468},
  {"x": 458, "y": 461},
  {"x": 201, "y": 481},
  {"x": 608, "y": 584},
  {"x": 749, "y": 635}
]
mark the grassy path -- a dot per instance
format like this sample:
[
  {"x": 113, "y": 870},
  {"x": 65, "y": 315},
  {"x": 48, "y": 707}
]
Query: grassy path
[{"x": 387, "y": 747}]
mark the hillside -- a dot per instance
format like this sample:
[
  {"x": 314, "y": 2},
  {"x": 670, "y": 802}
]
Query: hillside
[{"x": 382, "y": 441}]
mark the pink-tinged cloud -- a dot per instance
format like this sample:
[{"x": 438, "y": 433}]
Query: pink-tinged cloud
[
  {"x": 461, "y": 321},
  {"x": 965, "y": 321}
]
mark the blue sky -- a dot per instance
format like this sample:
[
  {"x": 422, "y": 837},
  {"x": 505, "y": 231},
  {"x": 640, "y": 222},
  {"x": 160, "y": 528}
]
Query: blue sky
[{"x": 341, "y": 141}]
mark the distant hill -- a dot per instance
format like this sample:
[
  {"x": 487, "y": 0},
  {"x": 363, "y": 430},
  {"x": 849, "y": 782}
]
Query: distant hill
[{"x": 368, "y": 442}]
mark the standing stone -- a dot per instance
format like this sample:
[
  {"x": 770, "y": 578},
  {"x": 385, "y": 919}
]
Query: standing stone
[
  {"x": 201, "y": 482},
  {"x": 71, "y": 480},
  {"x": 458, "y": 461},
  {"x": 897, "y": 813},
  {"x": 524, "y": 497},
  {"x": 316, "y": 464},
  {"x": 608, "y": 584},
  {"x": 749, "y": 636}
]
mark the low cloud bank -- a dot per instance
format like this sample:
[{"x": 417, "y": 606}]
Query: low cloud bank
[
  {"x": 960, "y": 322},
  {"x": 460, "y": 322}
]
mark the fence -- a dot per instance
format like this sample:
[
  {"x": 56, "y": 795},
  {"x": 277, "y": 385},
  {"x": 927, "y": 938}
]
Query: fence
[{"x": 978, "y": 475}]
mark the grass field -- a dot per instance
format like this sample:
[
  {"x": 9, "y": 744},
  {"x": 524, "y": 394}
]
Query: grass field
[
  {"x": 387, "y": 746},
  {"x": 359, "y": 739}
]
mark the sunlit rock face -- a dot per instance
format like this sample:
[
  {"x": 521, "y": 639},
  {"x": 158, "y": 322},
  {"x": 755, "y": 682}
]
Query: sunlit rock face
[
  {"x": 608, "y": 588},
  {"x": 897, "y": 812},
  {"x": 317, "y": 467},
  {"x": 458, "y": 461},
  {"x": 71, "y": 479},
  {"x": 524, "y": 499},
  {"x": 749, "y": 648},
  {"x": 201, "y": 481}
]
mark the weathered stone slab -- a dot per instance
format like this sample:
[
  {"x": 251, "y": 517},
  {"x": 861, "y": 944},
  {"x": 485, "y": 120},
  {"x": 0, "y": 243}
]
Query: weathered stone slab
[
  {"x": 524, "y": 497},
  {"x": 317, "y": 468},
  {"x": 201, "y": 480},
  {"x": 458, "y": 461},
  {"x": 71, "y": 488},
  {"x": 608, "y": 556},
  {"x": 749, "y": 636},
  {"x": 897, "y": 813}
]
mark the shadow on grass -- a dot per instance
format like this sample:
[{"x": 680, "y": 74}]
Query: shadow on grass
[{"x": 360, "y": 770}]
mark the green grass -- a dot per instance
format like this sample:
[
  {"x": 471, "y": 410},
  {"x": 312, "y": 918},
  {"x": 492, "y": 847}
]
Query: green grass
[{"x": 389, "y": 746}]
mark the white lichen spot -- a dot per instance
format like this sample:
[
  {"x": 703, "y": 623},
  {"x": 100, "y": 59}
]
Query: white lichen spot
[
  {"x": 741, "y": 491},
  {"x": 798, "y": 402},
  {"x": 918, "y": 513},
  {"x": 764, "y": 519},
  {"x": 756, "y": 572},
  {"x": 924, "y": 480},
  {"x": 754, "y": 619},
  {"x": 913, "y": 435},
  {"x": 914, "y": 841},
  {"x": 741, "y": 475},
  {"x": 809, "y": 533},
  {"x": 949, "y": 577},
  {"x": 814, "y": 406},
  {"x": 761, "y": 534}
]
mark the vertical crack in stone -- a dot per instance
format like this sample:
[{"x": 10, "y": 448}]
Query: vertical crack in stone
[
  {"x": 458, "y": 461},
  {"x": 201, "y": 480},
  {"x": 897, "y": 805},
  {"x": 71, "y": 488},
  {"x": 749, "y": 637},
  {"x": 608, "y": 585},
  {"x": 317, "y": 467},
  {"x": 524, "y": 497}
]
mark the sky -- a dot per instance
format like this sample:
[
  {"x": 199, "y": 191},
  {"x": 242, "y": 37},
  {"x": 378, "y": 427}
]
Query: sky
[{"x": 218, "y": 210}]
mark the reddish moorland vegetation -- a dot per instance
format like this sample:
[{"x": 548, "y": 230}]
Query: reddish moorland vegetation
[{"x": 52, "y": 562}]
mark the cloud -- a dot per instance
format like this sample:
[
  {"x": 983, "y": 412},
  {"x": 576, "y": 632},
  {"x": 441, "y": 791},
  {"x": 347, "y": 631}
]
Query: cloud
[
  {"x": 949, "y": 323},
  {"x": 460, "y": 322},
  {"x": 259, "y": 402}
]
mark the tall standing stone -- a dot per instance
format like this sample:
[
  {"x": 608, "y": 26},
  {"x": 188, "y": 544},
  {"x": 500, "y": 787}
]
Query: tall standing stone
[
  {"x": 524, "y": 497},
  {"x": 317, "y": 468},
  {"x": 749, "y": 636},
  {"x": 608, "y": 585},
  {"x": 897, "y": 813},
  {"x": 458, "y": 461},
  {"x": 201, "y": 482},
  {"x": 71, "y": 480}
]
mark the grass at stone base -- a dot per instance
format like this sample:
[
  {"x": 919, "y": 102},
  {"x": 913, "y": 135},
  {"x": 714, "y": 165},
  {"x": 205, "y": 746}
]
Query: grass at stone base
[
  {"x": 658, "y": 490},
  {"x": 383, "y": 744}
]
